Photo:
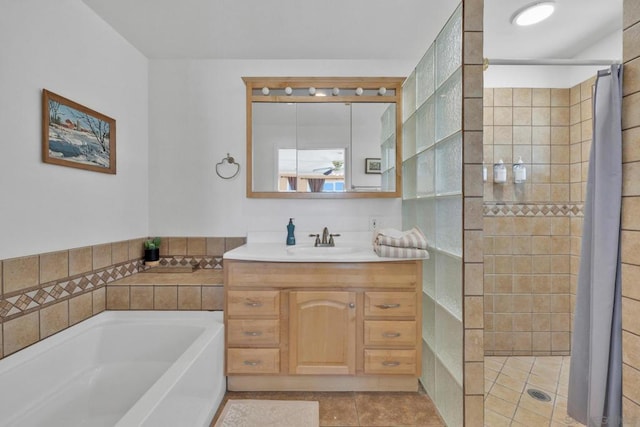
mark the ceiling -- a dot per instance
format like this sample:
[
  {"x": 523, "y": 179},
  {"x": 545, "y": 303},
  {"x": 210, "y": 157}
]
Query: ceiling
[
  {"x": 344, "y": 29},
  {"x": 574, "y": 26}
]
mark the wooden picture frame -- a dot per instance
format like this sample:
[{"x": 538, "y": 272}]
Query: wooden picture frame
[
  {"x": 372, "y": 165},
  {"x": 76, "y": 136}
]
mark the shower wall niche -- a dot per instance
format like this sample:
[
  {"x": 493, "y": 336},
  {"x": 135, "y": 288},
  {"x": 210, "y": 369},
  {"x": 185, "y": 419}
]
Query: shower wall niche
[{"x": 532, "y": 230}]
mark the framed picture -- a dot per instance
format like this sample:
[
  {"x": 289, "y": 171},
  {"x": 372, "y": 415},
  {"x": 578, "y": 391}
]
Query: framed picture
[
  {"x": 76, "y": 136},
  {"x": 372, "y": 165}
]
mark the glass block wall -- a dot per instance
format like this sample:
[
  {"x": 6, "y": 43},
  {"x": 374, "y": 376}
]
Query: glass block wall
[{"x": 433, "y": 200}]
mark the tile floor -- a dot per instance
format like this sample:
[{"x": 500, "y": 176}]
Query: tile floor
[
  {"x": 359, "y": 408},
  {"x": 507, "y": 380}
]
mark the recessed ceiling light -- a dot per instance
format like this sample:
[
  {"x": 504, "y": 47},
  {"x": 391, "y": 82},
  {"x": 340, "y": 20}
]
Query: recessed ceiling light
[{"x": 533, "y": 13}]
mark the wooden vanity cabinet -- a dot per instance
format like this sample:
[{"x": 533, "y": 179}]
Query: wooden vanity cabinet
[
  {"x": 322, "y": 332},
  {"x": 323, "y": 326}
]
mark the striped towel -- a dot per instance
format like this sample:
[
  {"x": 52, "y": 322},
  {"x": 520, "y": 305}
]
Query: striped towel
[
  {"x": 396, "y": 252},
  {"x": 413, "y": 238}
]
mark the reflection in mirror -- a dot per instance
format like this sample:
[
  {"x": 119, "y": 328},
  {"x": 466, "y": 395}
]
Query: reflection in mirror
[
  {"x": 311, "y": 170},
  {"x": 332, "y": 143},
  {"x": 323, "y": 147},
  {"x": 310, "y": 143},
  {"x": 373, "y": 137}
]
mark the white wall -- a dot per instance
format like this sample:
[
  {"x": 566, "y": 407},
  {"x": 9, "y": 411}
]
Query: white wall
[
  {"x": 64, "y": 47},
  {"x": 197, "y": 115},
  {"x": 609, "y": 47}
]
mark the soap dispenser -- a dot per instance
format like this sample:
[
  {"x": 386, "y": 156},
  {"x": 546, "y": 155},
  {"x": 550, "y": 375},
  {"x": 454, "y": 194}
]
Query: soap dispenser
[
  {"x": 291, "y": 239},
  {"x": 519, "y": 172},
  {"x": 499, "y": 173}
]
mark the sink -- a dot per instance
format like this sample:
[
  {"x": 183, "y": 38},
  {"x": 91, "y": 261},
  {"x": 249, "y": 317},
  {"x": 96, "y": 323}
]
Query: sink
[{"x": 321, "y": 250}]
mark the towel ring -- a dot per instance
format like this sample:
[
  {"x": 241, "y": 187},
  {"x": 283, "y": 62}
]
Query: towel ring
[{"x": 231, "y": 161}]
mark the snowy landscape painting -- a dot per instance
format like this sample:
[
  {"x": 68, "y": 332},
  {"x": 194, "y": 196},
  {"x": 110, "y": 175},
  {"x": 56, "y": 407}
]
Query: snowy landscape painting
[{"x": 76, "y": 136}]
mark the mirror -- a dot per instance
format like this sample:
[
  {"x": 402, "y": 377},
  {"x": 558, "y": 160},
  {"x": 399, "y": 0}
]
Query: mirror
[{"x": 339, "y": 142}]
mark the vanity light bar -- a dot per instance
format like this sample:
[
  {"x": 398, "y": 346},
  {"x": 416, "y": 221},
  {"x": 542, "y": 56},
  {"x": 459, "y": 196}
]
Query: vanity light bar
[{"x": 333, "y": 91}]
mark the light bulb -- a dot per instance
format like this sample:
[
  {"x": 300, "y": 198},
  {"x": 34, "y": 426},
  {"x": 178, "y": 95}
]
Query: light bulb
[
  {"x": 288, "y": 90},
  {"x": 359, "y": 91},
  {"x": 335, "y": 91},
  {"x": 265, "y": 91},
  {"x": 382, "y": 91},
  {"x": 533, "y": 13},
  {"x": 312, "y": 91}
]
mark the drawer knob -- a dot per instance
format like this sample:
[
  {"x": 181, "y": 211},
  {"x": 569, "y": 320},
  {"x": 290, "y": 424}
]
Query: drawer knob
[
  {"x": 252, "y": 333},
  {"x": 251, "y": 362},
  {"x": 391, "y": 334},
  {"x": 351, "y": 305},
  {"x": 390, "y": 363},
  {"x": 387, "y": 306},
  {"x": 253, "y": 303}
]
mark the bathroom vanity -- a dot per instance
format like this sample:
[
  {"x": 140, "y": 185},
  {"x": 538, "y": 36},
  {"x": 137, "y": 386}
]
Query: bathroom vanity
[{"x": 304, "y": 320}]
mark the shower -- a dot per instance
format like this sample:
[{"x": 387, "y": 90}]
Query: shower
[{"x": 533, "y": 235}]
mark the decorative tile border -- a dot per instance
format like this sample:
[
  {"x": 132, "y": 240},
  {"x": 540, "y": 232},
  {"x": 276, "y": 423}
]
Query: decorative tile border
[
  {"x": 32, "y": 299},
  {"x": 196, "y": 261},
  {"x": 532, "y": 209},
  {"x": 50, "y": 293}
]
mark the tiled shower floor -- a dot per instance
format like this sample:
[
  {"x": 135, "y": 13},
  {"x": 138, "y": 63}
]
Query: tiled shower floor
[{"x": 506, "y": 381}]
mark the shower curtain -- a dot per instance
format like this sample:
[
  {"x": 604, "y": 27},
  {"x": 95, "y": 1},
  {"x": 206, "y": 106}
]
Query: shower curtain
[{"x": 595, "y": 377}]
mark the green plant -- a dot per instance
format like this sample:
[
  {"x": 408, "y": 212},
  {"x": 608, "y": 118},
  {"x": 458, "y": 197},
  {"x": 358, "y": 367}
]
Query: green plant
[{"x": 152, "y": 243}]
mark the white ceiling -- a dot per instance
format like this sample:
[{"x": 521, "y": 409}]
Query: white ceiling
[
  {"x": 574, "y": 26},
  {"x": 344, "y": 29}
]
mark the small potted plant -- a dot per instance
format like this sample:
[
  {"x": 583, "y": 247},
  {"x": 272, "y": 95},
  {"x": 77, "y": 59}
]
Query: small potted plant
[{"x": 152, "y": 249}]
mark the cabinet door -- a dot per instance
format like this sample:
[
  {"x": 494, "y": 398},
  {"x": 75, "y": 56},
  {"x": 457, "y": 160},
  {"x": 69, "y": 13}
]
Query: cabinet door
[{"x": 322, "y": 333}]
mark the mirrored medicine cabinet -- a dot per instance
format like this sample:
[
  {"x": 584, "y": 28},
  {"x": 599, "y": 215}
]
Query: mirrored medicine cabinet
[{"x": 310, "y": 137}]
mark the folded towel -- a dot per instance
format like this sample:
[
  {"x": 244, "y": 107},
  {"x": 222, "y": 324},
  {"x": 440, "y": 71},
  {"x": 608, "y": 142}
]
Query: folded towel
[
  {"x": 396, "y": 252},
  {"x": 413, "y": 238}
]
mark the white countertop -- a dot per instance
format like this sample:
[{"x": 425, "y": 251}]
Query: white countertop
[
  {"x": 279, "y": 252},
  {"x": 350, "y": 247}
]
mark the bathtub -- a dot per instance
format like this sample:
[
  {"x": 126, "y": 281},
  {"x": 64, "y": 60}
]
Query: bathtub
[{"x": 127, "y": 368}]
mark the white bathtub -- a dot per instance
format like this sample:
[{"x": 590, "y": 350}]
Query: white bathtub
[{"x": 127, "y": 368}]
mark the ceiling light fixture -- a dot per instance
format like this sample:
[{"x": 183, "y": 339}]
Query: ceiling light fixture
[{"x": 533, "y": 13}]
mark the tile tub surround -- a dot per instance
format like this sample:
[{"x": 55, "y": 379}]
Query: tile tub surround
[
  {"x": 200, "y": 290},
  {"x": 43, "y": 294},
  {"x": 46, "y": 293}
]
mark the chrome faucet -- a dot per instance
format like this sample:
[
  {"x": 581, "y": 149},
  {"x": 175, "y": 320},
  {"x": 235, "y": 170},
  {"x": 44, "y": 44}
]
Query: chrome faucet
[{"x": 327, "y": 238}]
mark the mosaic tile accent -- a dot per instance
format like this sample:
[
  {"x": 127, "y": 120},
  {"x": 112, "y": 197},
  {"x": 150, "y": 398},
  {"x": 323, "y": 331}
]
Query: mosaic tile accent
[
  {"x": 54, "y": 292},
  {"x": 196, "y": 261},
  {"x": 533, "y": 209}
]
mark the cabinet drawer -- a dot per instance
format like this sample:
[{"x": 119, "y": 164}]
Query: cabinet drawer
[
  {"x": 253, "y": 361},
  {"x": 253, "y": 332},
  {"x": 253, "y": 303},
  {"x": 395, "y": 333},
  {"x": 393, "y": 362},
  {"x": 390, "y": 304}
]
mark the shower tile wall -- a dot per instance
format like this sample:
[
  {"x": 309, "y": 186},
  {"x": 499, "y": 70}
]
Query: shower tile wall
[
  {"x": 581, "y": 131},
  {"x": 528, "y": 227},
  {"x": 630, "y": 217}
]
